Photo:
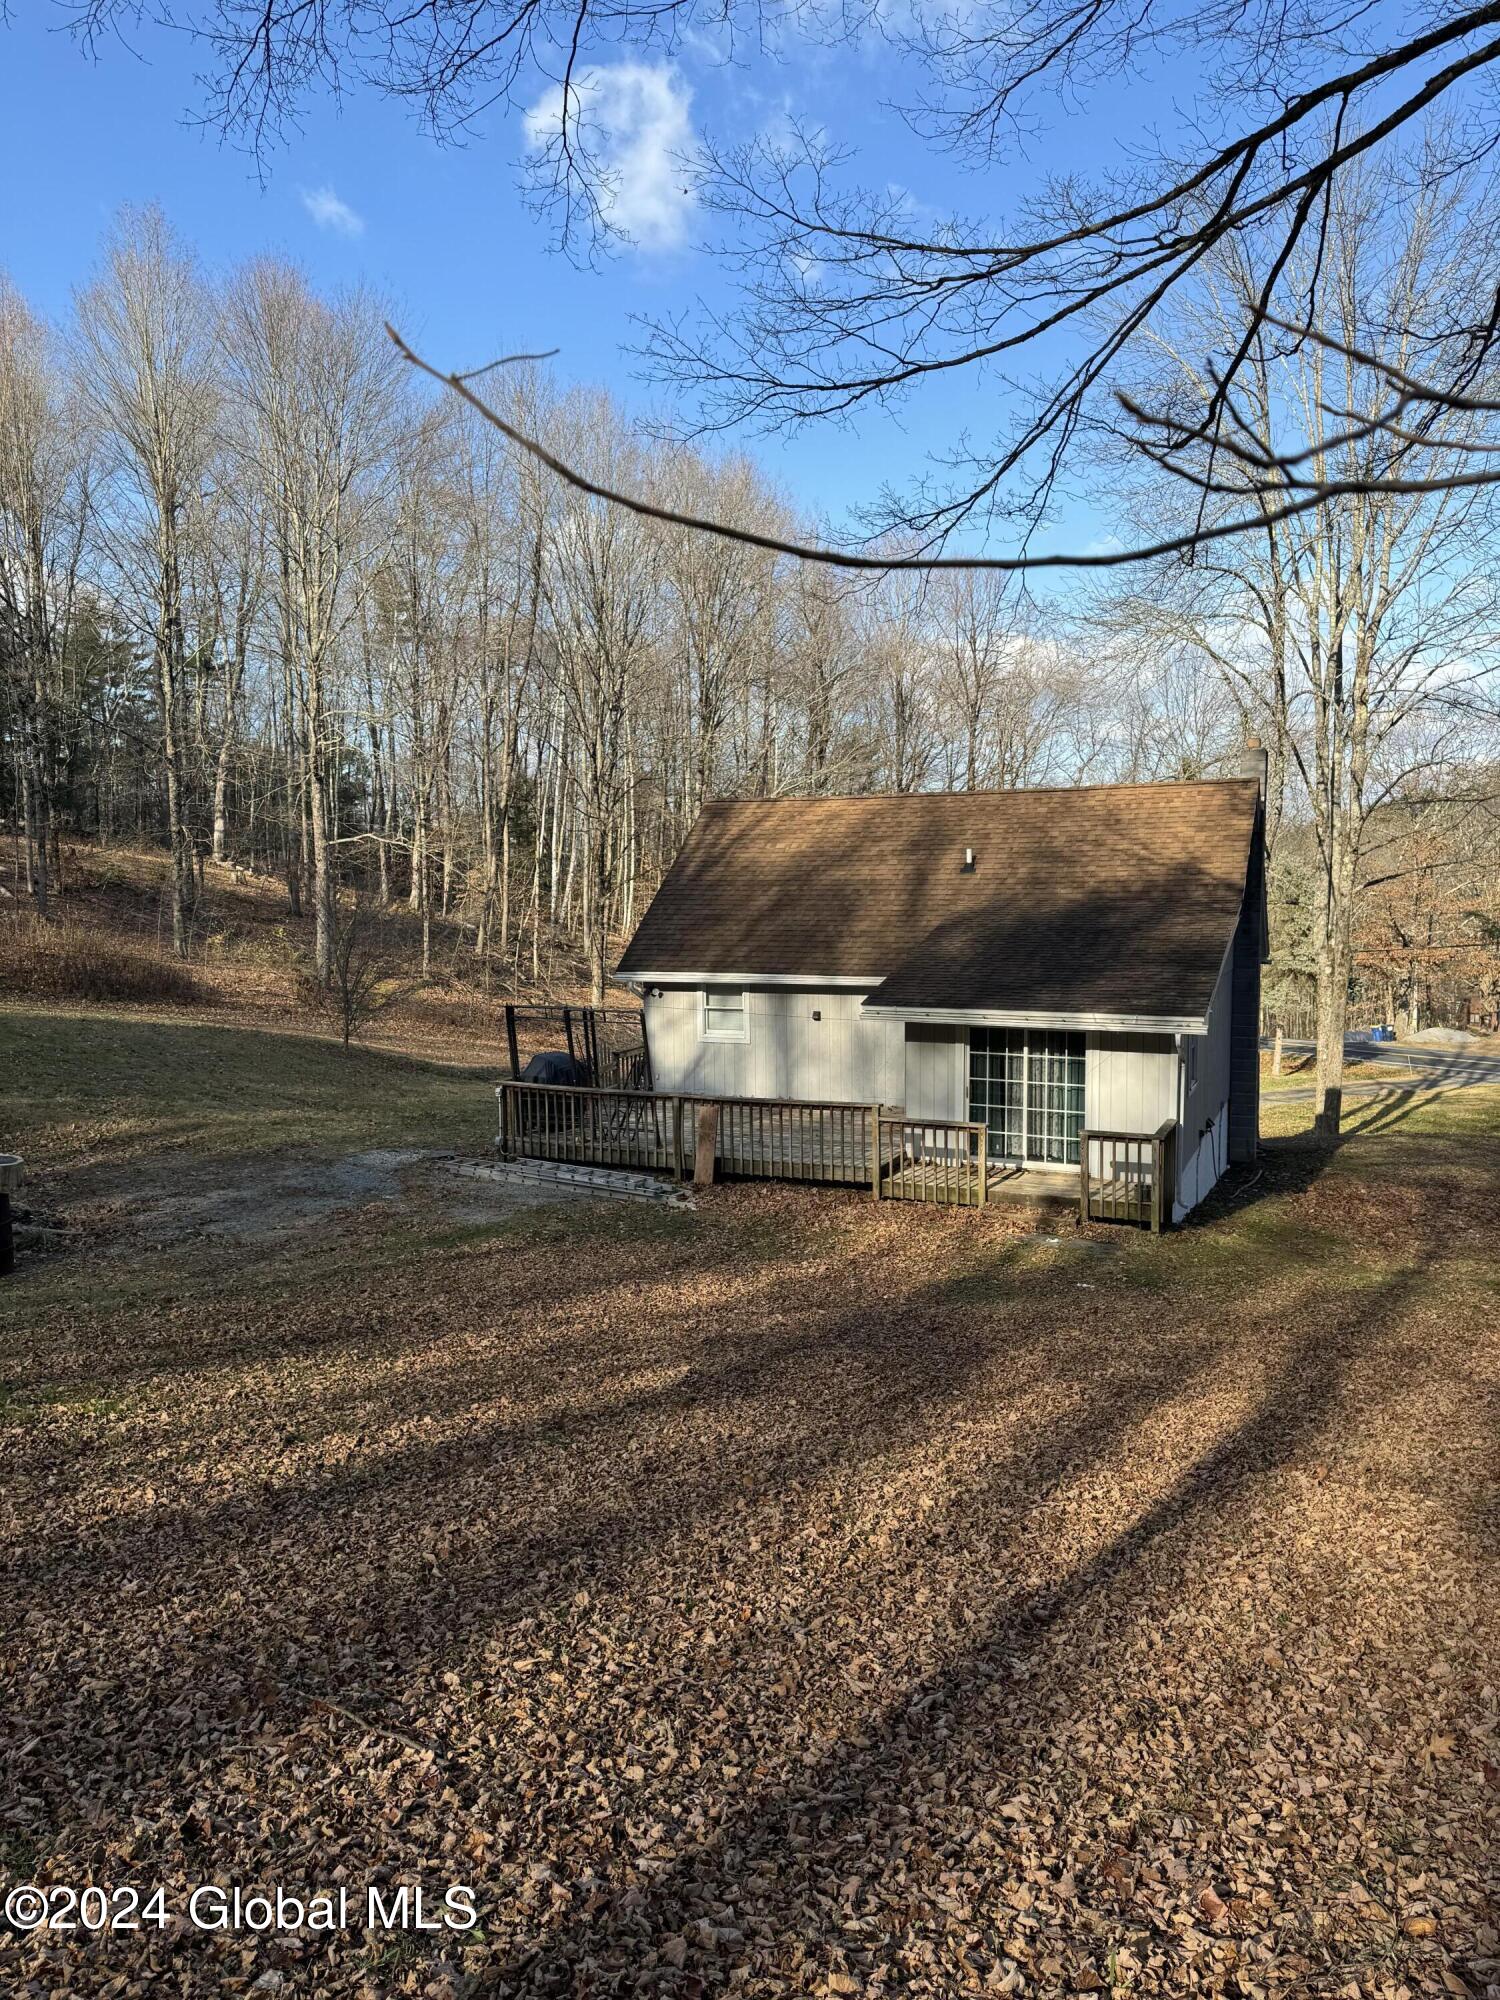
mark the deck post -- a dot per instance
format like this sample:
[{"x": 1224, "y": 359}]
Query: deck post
[
  {"x": 1083, "y": 1176},
  {"x": 510, "y": 1036},
  {"x": 984, "y": 1165},
  {"x": 708, "y": 1145},
  {"x": 505, "y": 1121},
  {"x": 875, "y": 1151},
  {"x": 677, "y": 1138}
]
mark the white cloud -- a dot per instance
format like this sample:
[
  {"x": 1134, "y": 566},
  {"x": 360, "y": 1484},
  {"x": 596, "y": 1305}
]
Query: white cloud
[
  {"x": 633, "y": 122},
  {"x": 329, "y": 212}
]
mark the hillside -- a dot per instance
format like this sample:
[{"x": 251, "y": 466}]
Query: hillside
[{"x": 109, "y": 944}]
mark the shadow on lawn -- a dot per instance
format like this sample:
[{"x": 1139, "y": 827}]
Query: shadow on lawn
[
  {"x": 519, "y": 1514},
  {"x": 788, "y": 1406},
  {"x": 1292, "y": 1163},
  {"x": 1366, "y": 1116},
  {"x": 865, "y": 1798}
]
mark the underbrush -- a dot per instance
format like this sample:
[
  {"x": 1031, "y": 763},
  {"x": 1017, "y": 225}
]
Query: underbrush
[{"x": 67, "y": 961}]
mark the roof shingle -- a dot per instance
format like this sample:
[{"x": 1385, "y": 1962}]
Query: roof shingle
[{"x": 1103, "y": 899}]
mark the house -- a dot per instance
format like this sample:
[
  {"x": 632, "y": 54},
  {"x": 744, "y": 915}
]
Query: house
[{"x": 1042, "y": 962}]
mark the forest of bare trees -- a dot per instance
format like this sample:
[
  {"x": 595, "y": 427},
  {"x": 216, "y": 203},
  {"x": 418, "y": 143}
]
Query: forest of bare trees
[{"x": 268, "y": 601}]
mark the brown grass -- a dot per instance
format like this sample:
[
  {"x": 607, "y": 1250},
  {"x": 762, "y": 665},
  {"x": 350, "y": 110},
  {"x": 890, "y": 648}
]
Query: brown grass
[
  {"x": 249, "y": 957},
  {"x": 76, "y": 961}
]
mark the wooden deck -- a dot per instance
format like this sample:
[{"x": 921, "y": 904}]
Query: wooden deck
[
  {"x": 1129, "y": 1177},
  {"x": 1003, "y": 1182},
  {"x": 941, "y": 1163},
  {"x": 1050, "y": 1184}
]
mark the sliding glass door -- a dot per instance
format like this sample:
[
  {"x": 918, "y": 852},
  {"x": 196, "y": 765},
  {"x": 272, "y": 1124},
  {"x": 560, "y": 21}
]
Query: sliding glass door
[{"x": 1026, "y": 1086}]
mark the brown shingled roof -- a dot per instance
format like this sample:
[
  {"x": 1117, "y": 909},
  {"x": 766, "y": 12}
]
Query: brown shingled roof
[{"x": 1105, "y": 899}]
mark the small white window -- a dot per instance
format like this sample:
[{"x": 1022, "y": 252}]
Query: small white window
[{"x": 724, "y": 1017}]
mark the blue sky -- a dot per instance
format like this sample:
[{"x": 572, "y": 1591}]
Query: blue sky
[{"x": 362, "y": 193}]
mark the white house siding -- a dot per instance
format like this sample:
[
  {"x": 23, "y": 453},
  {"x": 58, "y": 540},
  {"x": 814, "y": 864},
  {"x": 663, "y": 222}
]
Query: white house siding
[
  {"x": 1203, "y": 1141},
  {"x": 936, "y": 1071},
  {"x": 842, "y": 1057},
  {"x": 1129, "y": 1081},
  {"x": 1132, "y": 1082}
]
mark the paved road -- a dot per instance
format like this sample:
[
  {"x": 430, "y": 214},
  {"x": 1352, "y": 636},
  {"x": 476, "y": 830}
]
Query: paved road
[{"x": 1413, "y": 1066}]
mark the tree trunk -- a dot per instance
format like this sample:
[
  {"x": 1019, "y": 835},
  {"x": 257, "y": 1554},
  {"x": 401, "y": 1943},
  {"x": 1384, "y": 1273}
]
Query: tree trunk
[
  {"x": 221, "y": 793},
  {"x": 34, "y": 809},
  {"x": 322, "y": 871},
  {"x": 181, "y": 845},
  {"x": 1332, "y": 1022}
]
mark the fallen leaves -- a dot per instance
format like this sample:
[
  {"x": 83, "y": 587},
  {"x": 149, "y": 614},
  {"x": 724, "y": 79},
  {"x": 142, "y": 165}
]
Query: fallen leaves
[
  {"x": 1212, "y": 1905},
  {"x": 742, "y": 1612}
]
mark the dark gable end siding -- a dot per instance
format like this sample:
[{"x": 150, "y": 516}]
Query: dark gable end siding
[{"x": 1244, "y": 1003}]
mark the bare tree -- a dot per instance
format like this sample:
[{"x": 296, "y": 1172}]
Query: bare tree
[
  {"x": 43, "y": 521},
  {"x": 148, "y": 375},
  {"x": 1357, "y": 635},
  {"x": 361, "y": 983},
  {"x": 318, "y": 406},
  {"x": 718, "y": 589},
  {"x": 601, "y": 599},
  {"x": 976, "y": 625},
  {"x": 847, "y": 294},
  {"x": 904, "y": 699},
  {"x": 505, "y": 524}
]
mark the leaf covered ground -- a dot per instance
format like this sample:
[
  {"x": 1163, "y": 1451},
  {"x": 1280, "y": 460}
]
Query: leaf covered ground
[{"x": 797, "y": 1596}]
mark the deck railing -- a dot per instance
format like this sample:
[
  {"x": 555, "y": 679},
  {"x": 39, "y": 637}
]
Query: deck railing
[
  {"x": 832, "y": 1144},
  {"x": 627, "y": 1068},
  {"x": 1128, "y": 1176},
  {"x": 610, "y": 1128},
  {"x": 784, "y": 1139},
  {"x": 942, "y": 1162}
]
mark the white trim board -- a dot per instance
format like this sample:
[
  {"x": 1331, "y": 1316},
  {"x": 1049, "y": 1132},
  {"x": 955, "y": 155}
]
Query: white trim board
[
  {"x": 822, "y": 982},
  {"x": 980, "y": 1017}
]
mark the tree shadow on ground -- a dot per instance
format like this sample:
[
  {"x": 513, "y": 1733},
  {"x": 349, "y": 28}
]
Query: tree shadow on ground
[
  {"x": 857, "y": 1797},
  {"x": 861, "y": 1799},
  {"x": 1292, "y": 1163},
  {"x": 523, "y": 1507},
  {"x": 372, "y": 1584},
  {"x": 1281, "y": 1167}
]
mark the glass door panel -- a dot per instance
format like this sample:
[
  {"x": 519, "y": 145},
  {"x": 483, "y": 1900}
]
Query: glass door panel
[
  {"x": 1054, "y": 1095},
  {"x": 1026, "y": 1088},
  {"x": 997, "y": 1093}
]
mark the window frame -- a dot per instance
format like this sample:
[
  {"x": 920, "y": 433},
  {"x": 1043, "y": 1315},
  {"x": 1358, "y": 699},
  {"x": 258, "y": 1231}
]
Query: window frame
[
  {"x": 710, "y": 1033},
  {"x": 1022, "y": 1058}
]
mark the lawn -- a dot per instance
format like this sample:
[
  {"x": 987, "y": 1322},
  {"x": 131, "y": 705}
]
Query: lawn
[
  {"x": 1298, "y": 1071},
  {"x": 89, "y": 1091},
  {"x": 794, "y": 1596}
]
